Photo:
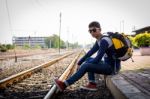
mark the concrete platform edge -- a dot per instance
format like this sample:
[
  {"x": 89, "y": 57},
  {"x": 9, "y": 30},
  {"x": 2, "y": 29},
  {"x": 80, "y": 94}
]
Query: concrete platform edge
[{"x": 121, "y": 89}]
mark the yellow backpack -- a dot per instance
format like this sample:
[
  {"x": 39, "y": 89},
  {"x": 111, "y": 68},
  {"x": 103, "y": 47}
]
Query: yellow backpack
[{"x": 122, "y": 46}]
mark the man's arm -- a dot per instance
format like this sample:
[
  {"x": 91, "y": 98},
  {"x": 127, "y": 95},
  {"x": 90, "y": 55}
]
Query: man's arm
[
  {"x": 89, "y": 53},
  {"x": 102, "y": 49}
]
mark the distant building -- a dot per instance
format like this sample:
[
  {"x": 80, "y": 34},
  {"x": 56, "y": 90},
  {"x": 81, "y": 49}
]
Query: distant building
[
  {"x": 142, "y": 30},
  {"x": 32, "y": 41}
]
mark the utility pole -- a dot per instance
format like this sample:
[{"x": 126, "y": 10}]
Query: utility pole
[
  {"x": 59, "y": 32},
  {"x": 68, "y": 38},
  {"x": 123, "y": 26},
  {"x": 10, "y": 27},
  {"x": 120, "y": 26},
  {"x": 29, "y": 41},
  {"x": 49, "y": 43},
  {"x": 133, "y": 28}
]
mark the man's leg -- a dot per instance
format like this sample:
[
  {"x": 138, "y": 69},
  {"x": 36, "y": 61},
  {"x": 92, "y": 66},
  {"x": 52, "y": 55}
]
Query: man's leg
[
  {"x": 62, "y": 85},
  {"x": 100, "y": 68},
  {"x": 91, "y": 77},
  {"x": 92, "y": 86}
]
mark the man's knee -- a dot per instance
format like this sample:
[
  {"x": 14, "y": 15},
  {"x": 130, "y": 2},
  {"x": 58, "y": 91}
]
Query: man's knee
[{"x": 84, "y": 65}]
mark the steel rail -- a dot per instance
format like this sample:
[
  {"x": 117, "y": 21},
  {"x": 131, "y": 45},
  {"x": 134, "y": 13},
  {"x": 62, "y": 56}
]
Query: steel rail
[
  {"x": 64, "y": 76},
  {"x": 27, "y": 73}
]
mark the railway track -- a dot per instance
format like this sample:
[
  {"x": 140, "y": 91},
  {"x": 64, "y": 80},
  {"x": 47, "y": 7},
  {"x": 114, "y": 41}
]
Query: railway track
[
  {"x": 69, "y": 71},
  {"x": 11, "y": 55},
  {"x": 9, "y": 67},
  {"x": 38, "y": 80},
  {"x": 39, "y": 84}
]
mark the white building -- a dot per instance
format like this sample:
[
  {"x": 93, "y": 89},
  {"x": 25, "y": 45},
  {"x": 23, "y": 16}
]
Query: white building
[{"x": 32, "y": 41}]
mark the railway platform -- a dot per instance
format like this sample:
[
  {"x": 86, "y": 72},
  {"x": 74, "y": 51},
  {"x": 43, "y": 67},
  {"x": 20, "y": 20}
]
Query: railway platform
[{"x": 133, "y": 82}]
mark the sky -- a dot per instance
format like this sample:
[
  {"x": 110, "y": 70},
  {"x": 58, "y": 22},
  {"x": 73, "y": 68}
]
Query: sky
[{"x": 42, "y": 18}]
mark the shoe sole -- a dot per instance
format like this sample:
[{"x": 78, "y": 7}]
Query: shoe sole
[
  {"x": 82, "y": 87},
  {"x": 57, "y": 85}
]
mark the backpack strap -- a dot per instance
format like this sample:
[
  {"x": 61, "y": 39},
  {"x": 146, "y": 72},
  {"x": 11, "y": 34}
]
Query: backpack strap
[
  {"x": 108, "y": 39},
  {"x": 110, "y": 42}
]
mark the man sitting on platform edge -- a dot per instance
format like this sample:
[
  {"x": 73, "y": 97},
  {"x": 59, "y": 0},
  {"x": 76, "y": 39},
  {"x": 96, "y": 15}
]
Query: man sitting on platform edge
[{"x": 104, "y": 48}]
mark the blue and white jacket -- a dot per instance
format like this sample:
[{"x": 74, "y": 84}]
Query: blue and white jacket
[{"x": 105, "y": 49}]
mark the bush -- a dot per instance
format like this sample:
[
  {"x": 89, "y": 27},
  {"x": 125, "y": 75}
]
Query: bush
[
  {"x": 142, "y": 40},
  {"x": 37, "y": 46},
  {"x": 9, "y": 46},
  {"x": 26, "y": 46},
  {"x": 3, "y": 48}
]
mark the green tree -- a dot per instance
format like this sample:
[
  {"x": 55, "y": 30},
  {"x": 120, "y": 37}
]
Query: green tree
[
  {"x": 75, "y": 45},
  {"x": 48, "y": 42},
  {"x": 53, "y": 41}
]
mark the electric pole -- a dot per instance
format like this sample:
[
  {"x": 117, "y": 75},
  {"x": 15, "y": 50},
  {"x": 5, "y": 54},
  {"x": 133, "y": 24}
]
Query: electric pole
[
  {"x": 59, "y": 32},
  {"x": 10, "y": 27}
]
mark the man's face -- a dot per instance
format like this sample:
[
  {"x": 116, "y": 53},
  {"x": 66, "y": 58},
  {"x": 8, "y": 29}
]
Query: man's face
[{"x": 94, "y": 31}]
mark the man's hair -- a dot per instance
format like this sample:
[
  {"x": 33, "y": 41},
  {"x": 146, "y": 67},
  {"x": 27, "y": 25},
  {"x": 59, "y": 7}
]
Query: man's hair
[{"x": 94, "y": 24}]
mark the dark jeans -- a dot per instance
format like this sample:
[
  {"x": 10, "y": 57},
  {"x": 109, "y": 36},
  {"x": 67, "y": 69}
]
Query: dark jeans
[{"x": 100, "y": 68}]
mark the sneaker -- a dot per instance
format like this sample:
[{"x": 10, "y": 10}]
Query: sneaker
[
  {"x": 60, "y": 85},
  {"x": 90, "y": 86}
]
